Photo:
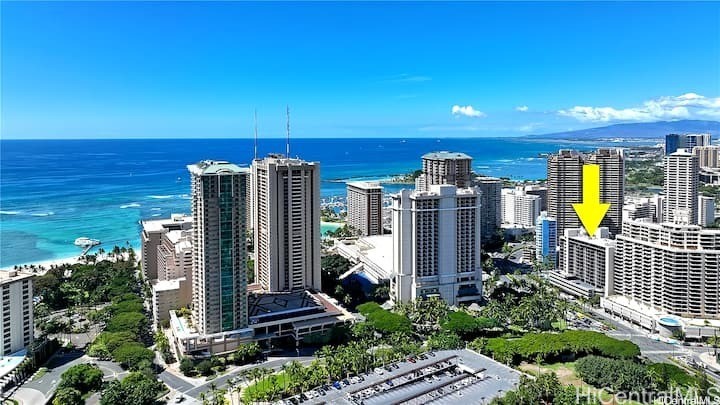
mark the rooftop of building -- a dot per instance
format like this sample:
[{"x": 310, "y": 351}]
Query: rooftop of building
[
  {"x": 445, "y": 155},
  {"x": 281, "y": 159},
  {"x": 213, "y": 167},
  {"x": 682, "y": 153},
  {"x": 600, "y": 238},
  {"x": 167, "y": 285},
  {"x": 670, "y": 226},
  {"x": 374, "y": 252},
  {"x": 174, "y": 236},
  {"x": 13, "y": 275},
  {"x": 365, "y": 185},
  {"x": 461, "y": 376},
  {"x": 488, "y": 179},
  {"x": 263, "y": 303},
  {"x": 157, "y": 225},
  {"x": 443, "y": 190}
]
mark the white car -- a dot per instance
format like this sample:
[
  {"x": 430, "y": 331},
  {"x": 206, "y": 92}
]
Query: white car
[{"x": 379, "y": 371}]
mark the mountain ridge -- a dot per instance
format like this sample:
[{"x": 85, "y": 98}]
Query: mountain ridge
[{"x": 641, "y": 130}]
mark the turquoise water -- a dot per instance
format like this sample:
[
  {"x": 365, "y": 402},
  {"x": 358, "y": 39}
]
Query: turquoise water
[
  {"x": 329, "y": 226},
  {"x": 53, "y": 192}
]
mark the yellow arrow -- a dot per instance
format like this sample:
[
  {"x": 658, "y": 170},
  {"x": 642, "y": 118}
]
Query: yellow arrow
[{"x": 591, "y": 212}]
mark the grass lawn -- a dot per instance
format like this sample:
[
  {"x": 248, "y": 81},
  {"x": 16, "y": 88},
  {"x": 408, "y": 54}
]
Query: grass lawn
[
  {"x": 567, "y": 376},
  {"x": 280, "y": 380}
]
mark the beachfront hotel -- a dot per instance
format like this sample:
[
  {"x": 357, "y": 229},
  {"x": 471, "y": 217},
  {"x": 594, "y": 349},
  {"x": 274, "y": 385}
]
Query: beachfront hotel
[
  {"x": 287, "y": 223},
  {"x": 219, "y": 262},
  {"x": 436, "y": 244},
  {"x": 151, "y": 238},
  {"x": 16, "y": 311},
  {"x": 364, "y": 207}
]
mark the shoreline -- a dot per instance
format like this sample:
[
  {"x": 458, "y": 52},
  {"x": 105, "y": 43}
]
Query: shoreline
[{"x": 44, "y": 263}]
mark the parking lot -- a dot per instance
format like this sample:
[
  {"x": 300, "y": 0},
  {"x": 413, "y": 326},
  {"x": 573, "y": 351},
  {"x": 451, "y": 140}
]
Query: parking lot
[{"x": 439, "y": 377}]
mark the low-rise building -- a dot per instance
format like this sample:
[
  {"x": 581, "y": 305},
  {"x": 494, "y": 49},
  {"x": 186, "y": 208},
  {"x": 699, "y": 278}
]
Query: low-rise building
[
  {"x": 169, "y": 295},
  {"x": 293, "y": 315}
]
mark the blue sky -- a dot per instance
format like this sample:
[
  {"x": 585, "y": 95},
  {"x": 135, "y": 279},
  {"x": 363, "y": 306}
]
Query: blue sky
[{"x": 164, "y": 69}]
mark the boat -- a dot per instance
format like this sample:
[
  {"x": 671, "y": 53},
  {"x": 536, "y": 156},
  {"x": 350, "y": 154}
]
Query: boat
[{"x": 85, "y": 242}]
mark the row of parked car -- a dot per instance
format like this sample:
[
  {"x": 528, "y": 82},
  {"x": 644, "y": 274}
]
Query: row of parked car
[
  {"x": 340, "y": 384},
  {"x": 428, "y": 374}
]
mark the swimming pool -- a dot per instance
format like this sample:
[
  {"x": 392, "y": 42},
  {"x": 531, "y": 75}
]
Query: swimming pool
[{"x": 665, "y": 321}]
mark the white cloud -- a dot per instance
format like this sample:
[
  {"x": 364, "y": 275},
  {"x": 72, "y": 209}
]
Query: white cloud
[
  {"x": 467, "y": 110},
  {"x": 407, "y": 78},
  {"x": 521, "y": 108},
  {"x": 689, "y": 105},
  {"x": 533, "y": 126}
]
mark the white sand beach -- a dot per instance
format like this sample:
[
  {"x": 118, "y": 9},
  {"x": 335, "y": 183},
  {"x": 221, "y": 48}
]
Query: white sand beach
[{"x": 45, "y": 263}]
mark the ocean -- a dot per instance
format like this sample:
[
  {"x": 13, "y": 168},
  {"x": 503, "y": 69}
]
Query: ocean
[{"x": 54, "y": 191}]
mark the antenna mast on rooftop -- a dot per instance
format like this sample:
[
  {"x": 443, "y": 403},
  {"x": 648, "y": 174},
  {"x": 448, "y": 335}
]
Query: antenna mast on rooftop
[
  {"x": 256, "y": 134},
  {"x": 287, "y": 141}
]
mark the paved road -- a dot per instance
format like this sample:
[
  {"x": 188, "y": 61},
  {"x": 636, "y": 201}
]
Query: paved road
[
  {"x": 181, "y": 385},
  {"x": 44, "y": 386},
  {"x": 655, "y": 350}
]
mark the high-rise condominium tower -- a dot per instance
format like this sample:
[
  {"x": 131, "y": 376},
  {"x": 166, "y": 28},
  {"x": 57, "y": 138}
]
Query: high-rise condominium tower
[
  {"x": 675, "y": 142},
  {"x": 681, "y": 187},
  {"x": 491, "y": 202},
  {"x": 445, "y": 168},
  {"x": 670, "y": 266},
  {"x": 364, "y": 207},
  {"x": 564, "y": 180},
  {"x": 436, "y": 244},
  {"x": 565, "y": 186},
  {"x": 287, "y": 223},
  {"x": 520, "y": 208},
  {"x": 16, "y": 311},
  {"x": 546, "y": 239},
  {"x": 219, "y": 262}
]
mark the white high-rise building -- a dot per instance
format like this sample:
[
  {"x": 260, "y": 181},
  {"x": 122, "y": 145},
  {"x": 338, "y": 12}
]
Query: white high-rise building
[
  {"x": 706, "y": 210},
  {"x": 681, "y": 187},
  {"x": 219, "y": 232},
  {"x": 173, "y": 288},
  {"x": 364, "y": 207},
  {"x": 436, "y": 244},
  {"x": 673, "y": 267},
  {"x": 589, "y": 260},
  {"x": 287, "y": 223},
  {"x": 151, "y": 238},
  {"x": 520, "y": 208},
  {"x": 16, "y": 311}
]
